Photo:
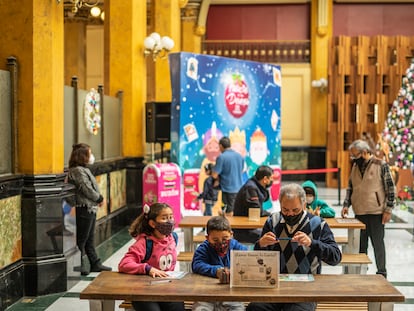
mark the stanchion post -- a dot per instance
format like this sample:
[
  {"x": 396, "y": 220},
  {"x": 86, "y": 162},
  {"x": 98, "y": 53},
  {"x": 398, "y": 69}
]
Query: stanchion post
[{"x": 339, "y": 186}]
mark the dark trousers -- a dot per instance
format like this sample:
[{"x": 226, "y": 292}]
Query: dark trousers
[
  {"x": 158, "y": 306},
  {"x": 85, "y": 233},
  {"x": 374, "y": 229},
  {"x": 228, "y": 201},
  {"x": 302, "y": 306},
  {"x": 246, "y": 235}
]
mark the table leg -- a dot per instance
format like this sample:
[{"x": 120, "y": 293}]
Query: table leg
[
  {"x": 101, "y": 305},
  {"x": 352, "y": 247},
  {"x": 353, "y": 241},
  {"x": 188, "y": 239},
  {"x": 380, "y": 306}
]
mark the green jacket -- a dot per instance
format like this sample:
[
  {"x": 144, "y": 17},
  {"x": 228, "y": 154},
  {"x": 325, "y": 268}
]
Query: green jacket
[{"x": 325, "y": 210}]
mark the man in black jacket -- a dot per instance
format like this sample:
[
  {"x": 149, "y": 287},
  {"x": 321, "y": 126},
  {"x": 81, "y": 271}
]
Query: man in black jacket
[{"x": 252, "y": 195}]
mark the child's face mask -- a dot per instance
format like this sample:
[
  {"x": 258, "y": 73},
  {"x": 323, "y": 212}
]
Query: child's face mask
[
  {"x": 221, "y": 247},
  {"x": 309, "y": 199},
  {"x": 165, "y": 228},
  {"x": 220, "y": 241}
]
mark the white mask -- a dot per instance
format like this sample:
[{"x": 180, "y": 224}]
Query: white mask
[
  {"x": 309, "y": 199},
  {"x": 91, "y": 159}
]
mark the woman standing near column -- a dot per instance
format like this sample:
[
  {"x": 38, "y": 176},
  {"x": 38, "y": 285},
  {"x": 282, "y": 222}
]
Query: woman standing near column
[{"x": 88, "y": 199}]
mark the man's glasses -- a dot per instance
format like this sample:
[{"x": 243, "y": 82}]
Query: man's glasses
[{"x": 355, "y": 156}]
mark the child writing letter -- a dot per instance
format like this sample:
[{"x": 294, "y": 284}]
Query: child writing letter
[
  {"x": 212, "y": 258},
  {"x": 156, "y": 223}
]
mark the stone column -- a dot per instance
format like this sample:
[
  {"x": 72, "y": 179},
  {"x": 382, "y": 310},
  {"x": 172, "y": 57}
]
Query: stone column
[
  {"x": 321, "y": 32},
  {"x": 75, "y": 52},
  {"x": 125, "y": 68},
  {"x": 166, "y": 21},
  {"x": 33, "y": 33},
  {"x": 191, "y": 31}
]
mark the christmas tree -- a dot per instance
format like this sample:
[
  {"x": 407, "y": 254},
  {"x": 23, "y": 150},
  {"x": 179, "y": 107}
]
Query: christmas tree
[{"x": 397, "y": 141}]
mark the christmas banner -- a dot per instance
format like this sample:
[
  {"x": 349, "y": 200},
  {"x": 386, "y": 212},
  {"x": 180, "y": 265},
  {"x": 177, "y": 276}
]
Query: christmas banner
[{"x": 218, "y": 96}]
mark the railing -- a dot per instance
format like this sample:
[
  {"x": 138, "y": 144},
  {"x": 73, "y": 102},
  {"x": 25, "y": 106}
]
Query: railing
[{"x": 262, "y": 51}]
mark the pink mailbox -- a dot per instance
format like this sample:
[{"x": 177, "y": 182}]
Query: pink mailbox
[
  {"x": 191, "y": 190},
  {"x": 162, "y": 183}
]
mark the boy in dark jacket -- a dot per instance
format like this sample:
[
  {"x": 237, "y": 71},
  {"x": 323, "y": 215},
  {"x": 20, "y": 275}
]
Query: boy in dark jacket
[{"x": 212, "y": 258}]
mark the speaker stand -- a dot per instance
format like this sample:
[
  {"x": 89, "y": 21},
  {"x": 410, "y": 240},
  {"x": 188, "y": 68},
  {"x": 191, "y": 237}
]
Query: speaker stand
[
  {"x": 162, "y": 152},
  {"x": 152, "y": 152}
]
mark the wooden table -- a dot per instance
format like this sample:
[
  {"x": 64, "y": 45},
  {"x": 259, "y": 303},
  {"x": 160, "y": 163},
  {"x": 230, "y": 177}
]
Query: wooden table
[
  {"x": 110, "y": 286},
  {"x": 188, "y": 223},
  {"x": 354, "y": 227}
]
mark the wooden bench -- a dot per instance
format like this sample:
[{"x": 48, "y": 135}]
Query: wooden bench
[
  {"x": 185, "y": 256},
  {"x": 360, "y": 261},
  {"x": 325, "y": 306},
  {"x": 198, "y": 239},
  {"x": 341, "y": 239},
  {"x": 342, "y": 306},
  {"x": 127, "y": 305}
]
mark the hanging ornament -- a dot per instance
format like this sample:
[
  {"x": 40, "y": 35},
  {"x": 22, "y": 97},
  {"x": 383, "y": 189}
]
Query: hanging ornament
[{"x": 91, "y": 112}]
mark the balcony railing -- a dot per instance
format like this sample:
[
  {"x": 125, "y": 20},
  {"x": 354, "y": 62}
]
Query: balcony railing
[{"x": 262, "y": 51}]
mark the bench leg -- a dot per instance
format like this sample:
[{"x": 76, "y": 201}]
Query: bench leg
[
  {"x": 101, "y": 305},
  {"x": 188, "y": 239},
  {"x": 380, "y": 306},
  {"x": 353, "y": 241},
  {"x": 355, "y": 269}
]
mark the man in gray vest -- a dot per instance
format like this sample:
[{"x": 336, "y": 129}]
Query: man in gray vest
[{"x": 371, "y": 193}]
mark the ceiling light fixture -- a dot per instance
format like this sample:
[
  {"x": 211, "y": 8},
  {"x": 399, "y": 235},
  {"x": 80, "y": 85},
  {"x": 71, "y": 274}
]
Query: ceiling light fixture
[
  {"x": 157, "y": 46},
  {"x": 322, "y": 84},
  {"x": 77, "y": 4}
]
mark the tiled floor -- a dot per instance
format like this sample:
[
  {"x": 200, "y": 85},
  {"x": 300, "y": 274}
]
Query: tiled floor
[{"x": 399, "y": 242}]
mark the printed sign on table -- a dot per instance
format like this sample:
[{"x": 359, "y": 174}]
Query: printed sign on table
[{"x": 254, "y": 269}]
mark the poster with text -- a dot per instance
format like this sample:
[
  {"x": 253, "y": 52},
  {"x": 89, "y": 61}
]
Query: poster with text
[
  {"x": 254, "y": 269},
  {"x": 217, "y": 96}
]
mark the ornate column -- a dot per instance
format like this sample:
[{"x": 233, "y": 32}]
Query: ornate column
[
  {"x": 321, "y": 32},
  {"x": 166, "y": 21},
  {"x": 75, "y": 52},
  {"x": 191, "y": 31},
  {"x": 34, "y": 36},
  {"x": 125, "y": 68}
]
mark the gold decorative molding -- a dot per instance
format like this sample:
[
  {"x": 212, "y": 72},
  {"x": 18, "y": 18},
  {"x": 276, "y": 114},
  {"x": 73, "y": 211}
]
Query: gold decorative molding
[
  {"x": 200, "y": 30},
  {"x": 182, "y": 3},
  {"x": 322, "y": 17},
  {"x": 374, "y": 1},
  {"x": 265, "y": 51},
  {"x": 258, "y": 1}
]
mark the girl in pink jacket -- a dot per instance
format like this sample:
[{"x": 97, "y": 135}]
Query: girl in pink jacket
[{"x": 156, "y": 223}]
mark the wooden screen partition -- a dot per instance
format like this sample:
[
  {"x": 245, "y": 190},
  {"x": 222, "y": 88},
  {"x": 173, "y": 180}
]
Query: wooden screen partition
[{"x": 365, "y": 75}]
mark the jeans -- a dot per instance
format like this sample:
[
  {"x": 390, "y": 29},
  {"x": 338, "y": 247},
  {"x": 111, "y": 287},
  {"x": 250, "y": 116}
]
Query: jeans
[{"x": 208, "y": 211}]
